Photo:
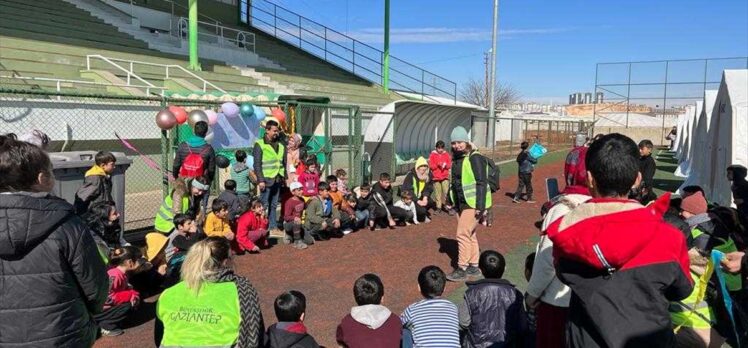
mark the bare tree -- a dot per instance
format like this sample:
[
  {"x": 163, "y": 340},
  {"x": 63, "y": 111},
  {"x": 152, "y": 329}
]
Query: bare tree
[{"x": 475, "y": 92}]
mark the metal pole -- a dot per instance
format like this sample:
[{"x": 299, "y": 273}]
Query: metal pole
[
  {"x": 664, "y": 103},
  {"x": 386, "y": 58},
  {"x": 594, "y": 106},
  {"x": 492, "y": 88},
  {"x": 628, "y": 97},
  {"x": 192, "y": 38}
]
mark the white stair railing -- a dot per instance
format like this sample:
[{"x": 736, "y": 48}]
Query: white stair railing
[
  {"x": 130, "y": 70},
  {"x": 237, "y": 38},
  {"x": 59, "y": 83}
]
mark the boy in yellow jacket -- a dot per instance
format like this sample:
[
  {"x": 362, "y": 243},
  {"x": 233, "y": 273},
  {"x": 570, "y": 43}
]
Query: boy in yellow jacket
[{"x": 217, "y": 222}]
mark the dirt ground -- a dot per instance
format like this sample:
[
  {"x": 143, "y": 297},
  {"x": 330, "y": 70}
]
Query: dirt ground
[{"x": 325, "y": 272}]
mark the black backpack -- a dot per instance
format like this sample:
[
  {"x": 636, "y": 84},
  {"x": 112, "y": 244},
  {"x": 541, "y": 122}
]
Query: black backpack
[{"x": 494, "y": 174}]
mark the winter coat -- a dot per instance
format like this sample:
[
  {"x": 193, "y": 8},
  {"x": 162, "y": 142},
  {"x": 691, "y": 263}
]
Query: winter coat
[
  {"x": 370, "y": 326},
  {"x": 624, "y": 265},
  {"x": 386, "y": 194},
  {"x": 120, "y": 291},
  {"x": 53, "y": 279},
  {"x": 309, "y": 182},
  {"x": 440, "y": 164},
  {"x": 206, "y": 151},
  {"x": 525, "y": 162},
  {"x": 235, "y": 204},
  {"x": 315, "y": 213},
  {"x": 289, "y": 335},
  {"x": 249, "y": 221},
  {"x": 647, "y": 167},
  {"x": 493, "y": 314},
  {"x": 420, "y": 189},
  {"x": 215, "y": 226},
  {"x": 96, "y": 188},
  {"x": 293, "y": 208},
  {"x": 457, "y": 197},
  {"x": 240, "y": 174},
  {"x": 575, "y": 170}
]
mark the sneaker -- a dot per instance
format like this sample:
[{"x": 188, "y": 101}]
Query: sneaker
[
  {"x": 515, "y": 200},
  {"x": 530, "y": 200},
  {"x": 451, "y": 212},
  {"x": 112, "y": 333},
  {"x": 347, "y": 231},
  {"x": 286, "y": 239},
  {"x": 277, "y": 233},
  {"x": 427, "y": 220},
  {"x": 473, "y": 271},
  {"x": 458, "y": 275},
  {"x": 300, "y": 245}
]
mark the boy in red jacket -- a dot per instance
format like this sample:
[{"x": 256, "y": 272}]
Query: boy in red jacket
[
  {"x": 440, "y": 162},
  {"x": 252, "y": 229},
  {"x": 292, "y": 225}
]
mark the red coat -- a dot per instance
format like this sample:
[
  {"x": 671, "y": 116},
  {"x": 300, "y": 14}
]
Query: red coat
[
  {"x": 309, "y": 182},
  {"x": 120, "y": 290},
  {"x": 250, "y": 229},
  {"x": 440, "y": 164}
]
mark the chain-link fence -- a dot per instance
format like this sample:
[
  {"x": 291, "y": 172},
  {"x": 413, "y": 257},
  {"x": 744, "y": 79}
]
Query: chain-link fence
[{"x": 76, "y": 122}]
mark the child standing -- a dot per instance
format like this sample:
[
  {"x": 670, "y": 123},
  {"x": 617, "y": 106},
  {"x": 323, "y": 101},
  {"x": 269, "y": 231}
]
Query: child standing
[
  {"x": 369, "y": 324},
  {"x": 97, "y": 185},
  {"x": 322, "y": 218},
  {"x": 252, "y": 229},
  {"x": 335, "y": 194},
  {"x": 241, "y": 174},
  {"x": 342, "y": 181},
  {"x": 292, "y": 213},
  {"x": 526, "y": 165},
  {"x": 406, "y": 203},
  {"x": 290, "y": 331},
  {"x": 217, "y": 222},
  {"x": 440, "y": 163},
  {"x": 122, "y": 299},
  {"x": 309, "y": 179},
  {"x": 433, "y": 321}
]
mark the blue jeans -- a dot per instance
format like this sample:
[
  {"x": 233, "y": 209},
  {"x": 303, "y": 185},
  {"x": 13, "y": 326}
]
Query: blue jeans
[
  {"x": 269, "y": 199},
  {"x": 362, "y": 217},
  {"x": 407, "y": 340}
]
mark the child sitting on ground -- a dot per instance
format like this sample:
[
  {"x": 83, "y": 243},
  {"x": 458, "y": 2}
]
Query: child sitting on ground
[
  {"x": 309, "y": 179},
  {"x": 369, "y": 324},
  {"x": 185, "y": 235},
  {"x": 407, "y": 204},
  {"x": 252, "y": 229},
  {"x": 342, "y": 181},
  {"x": 433, "y": 321},
  {"x": 322, "y": 218},
  {"x": 97, "y": 184},
  {"x": 230, "y": 196},
  {"x": 290, "y": 331},
  {"x": 493, "y": 311},
  {"x": 363, "y": 201},
  {"x": 335, "y": 195},
  {"x": 217, "y": 222},
  {"x": 348, "y": 219},
  {"x": 122, "y": 299},
  {"x": 292, "y": 213}
]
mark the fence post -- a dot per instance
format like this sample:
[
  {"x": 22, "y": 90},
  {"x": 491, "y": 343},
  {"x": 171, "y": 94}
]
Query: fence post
[{"x": 165, "y": 143}]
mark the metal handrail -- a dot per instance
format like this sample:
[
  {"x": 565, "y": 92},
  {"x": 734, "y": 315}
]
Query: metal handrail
[
  {"x": 293, "y": 31},
  {"x": 221, "y": 33},
  {"x": 59, "y": 82},
  {"x": 132, "y": 63}
]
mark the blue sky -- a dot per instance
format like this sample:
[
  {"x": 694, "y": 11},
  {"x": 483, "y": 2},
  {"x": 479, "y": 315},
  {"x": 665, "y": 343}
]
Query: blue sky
[{"x": 547, "y": 49}]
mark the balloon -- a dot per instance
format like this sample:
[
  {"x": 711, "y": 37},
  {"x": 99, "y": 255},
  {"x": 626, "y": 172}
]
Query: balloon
[
  {"x": 209, "y": 137},
  {"x": 246, "y": 110},
  {"x": 222, "y": 161},
  {"x": 230, "y": 109},
  {"x": 165, "y": 119},
  {"x": 196, "y": 116},
  {"x": 258, "y": 112},
  {"x": 279, "y": 115},
  {"x": 212, "y": 117},
  {"x": 179, "y": 113}
]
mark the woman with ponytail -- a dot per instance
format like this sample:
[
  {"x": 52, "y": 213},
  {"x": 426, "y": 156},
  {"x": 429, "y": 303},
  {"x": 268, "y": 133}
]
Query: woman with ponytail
[{"x": 211, "y": 306}]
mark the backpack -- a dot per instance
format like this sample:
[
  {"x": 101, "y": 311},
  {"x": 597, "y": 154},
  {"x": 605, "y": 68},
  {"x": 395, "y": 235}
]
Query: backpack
[
  {"x": 493, "y": 176},
  {"x": 193, "y": 165}
]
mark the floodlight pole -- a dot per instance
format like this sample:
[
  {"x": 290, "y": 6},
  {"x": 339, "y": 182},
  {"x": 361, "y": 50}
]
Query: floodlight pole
[
  {"x": 386, "y": 55},
  {"x": 492, "y": 101},
  {"x": 192, "y": 36}
]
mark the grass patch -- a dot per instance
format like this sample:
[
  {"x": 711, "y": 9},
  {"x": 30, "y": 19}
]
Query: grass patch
[{"x": 665, "y": 179}]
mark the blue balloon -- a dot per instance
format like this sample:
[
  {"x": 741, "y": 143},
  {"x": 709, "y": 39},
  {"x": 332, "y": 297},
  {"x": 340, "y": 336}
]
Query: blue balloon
[{"x": 259, "y": 113}]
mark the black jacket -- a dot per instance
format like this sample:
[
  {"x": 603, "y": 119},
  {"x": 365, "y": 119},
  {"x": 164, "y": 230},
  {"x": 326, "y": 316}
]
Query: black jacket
[
  {"x": 477, "y": 162},
  {"x": 428, "y": 188},
  {"x": 279, "y": 338},
  {"x": 647, "y": 167},
  {"x": 525, "y": 162},
  {"x": 53, "y": 278},
  {"x": 206, "y": 152},
  {"x": 496, "y": 314},
  {"x": 386, "y": 194},
  {"x": 95, "y": 189}
]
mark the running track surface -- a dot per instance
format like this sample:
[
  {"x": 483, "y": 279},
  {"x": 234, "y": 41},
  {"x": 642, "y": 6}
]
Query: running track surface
[{"x": 325, "y": 272}]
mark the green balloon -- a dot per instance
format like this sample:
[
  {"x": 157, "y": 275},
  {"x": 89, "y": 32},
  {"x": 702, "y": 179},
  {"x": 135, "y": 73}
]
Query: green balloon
[{"x": 246, "y": 110}]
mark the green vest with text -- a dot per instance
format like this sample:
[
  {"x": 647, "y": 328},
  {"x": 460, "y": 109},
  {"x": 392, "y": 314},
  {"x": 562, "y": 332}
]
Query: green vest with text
[
  {"x": 208, "y": 319},
  {"x": 469, "y": 188},
  {"x": 690, "y": 313},
  {"x": 165, "y": 217},
  {"x": 272, "y": 162}
]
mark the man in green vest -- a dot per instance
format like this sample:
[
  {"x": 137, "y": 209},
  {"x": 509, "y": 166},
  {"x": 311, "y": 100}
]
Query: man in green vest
[
  {"x": 470, "y": 195},
  {"x": 270, "y": 167}
]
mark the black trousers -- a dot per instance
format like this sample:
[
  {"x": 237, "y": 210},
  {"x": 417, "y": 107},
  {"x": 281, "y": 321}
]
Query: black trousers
[
  {"x": 111, "y": 318},
  {"x": 525, "y": 184},
  {"x": 423, "y": 212},
  {"x": 378, "y": 213}
]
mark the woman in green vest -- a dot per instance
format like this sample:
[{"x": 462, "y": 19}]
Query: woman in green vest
[
  {"x": 211, "y": 306},
  {"x": 470, "y": 195},
  {"x": 185, "y": 198}
]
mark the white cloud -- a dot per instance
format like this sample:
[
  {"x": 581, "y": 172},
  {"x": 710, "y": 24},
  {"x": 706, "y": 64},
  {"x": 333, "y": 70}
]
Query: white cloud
[{"x": 442, "y": 34}]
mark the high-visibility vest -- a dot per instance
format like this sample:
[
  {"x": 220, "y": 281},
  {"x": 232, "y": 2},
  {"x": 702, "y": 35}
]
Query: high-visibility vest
[
  {"x": 165, "y": 217},
  {"x": 694, "y": 311},
  {"x": 272, "y": 162},
  {"x": 732, "y": 281},
  {"x": 209, "y": 318},
  {"x": 418, "y": 187},
  {"x": 469, "y": 188}
]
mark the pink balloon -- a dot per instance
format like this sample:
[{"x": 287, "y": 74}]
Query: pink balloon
[{"x": 212, "y": 117}]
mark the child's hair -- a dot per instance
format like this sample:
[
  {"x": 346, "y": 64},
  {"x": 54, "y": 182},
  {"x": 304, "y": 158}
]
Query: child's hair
[
  {"x": 20, "y": 164},
  {"x": 613, "y": 161},
  {"x": 323, "y": 186},
  {"x": 229, "y": 185},
  {"x": 181, "y": 219},
  {"x": 97, "y": 217},
  {"x": 289, "y": 306},
  {"x": 256, "y": 204},
  {"x": 331, "y": 178},
  {"x": 407, "y": 195},
  {"x": 351, "y": 198},
  {"x": 691, "y": 189},
  {"x": 204, "y": 260},
  {"x": 491, "y": 264},
  {"x": 340, "y": 173},
  {"x": 201, "y": 129},
  {"x": 218, "y": 205},
  {"x": 738, "y": 172},
  {"x": 439, "y": 144},
  {"x": 104, "y": 157},
  {"x": 240, "y": 155},
  {"x": 431, "y": 280},
  {"x": 384, "y": 176},
  {"x": 311, "y": 160},
  {"x": 368, "y": 290},
  {"x": 524, "y": 145},
  {"x": 365, "y": 186},
  {"x": 118, "y": 256},
  {"x": 646, "y": 143},
  {"x": 529, "y": 262}
]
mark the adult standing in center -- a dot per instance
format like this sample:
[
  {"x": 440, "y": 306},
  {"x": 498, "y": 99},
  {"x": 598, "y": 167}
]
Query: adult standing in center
[
  {"x": 470, "y": 196},
  {"x": 270, "y": 167}
]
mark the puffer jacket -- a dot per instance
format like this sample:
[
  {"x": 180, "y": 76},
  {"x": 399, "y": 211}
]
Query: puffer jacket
[
  {"x": 493, "y": 314},
  {"x": 53, "y": 279}
]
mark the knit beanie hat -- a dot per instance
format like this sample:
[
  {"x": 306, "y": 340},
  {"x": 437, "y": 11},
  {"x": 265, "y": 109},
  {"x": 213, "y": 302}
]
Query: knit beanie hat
[
  {"x": 459, "y": 134},
  {"x": 694, "y": 203}
]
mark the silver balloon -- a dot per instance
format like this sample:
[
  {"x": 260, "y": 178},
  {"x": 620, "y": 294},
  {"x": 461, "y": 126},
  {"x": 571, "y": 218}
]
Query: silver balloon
[
  {"x": 209, "y": 137},
  {"x": 196, "y": 116}
]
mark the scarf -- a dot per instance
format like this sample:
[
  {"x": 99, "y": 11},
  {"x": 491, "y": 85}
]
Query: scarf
[
  {"x": 195, "y": 141},
  {"x": 251, "y": 327},
  {"x": 292, "y": 156},
  {"x": 697, "y": 219}
]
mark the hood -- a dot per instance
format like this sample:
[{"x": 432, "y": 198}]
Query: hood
[
  {"x": 373, "y": 316},
  {"x": 421, "y": 162},
  {"x": 240, "y": 167},
  {"x": 284, "y": 334},
  {"x": 196, "y": 141},
  {"x": 26, "y": 219},
  {"x": 608, "y": 233},
  {"x": 96, "y": 171}
]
